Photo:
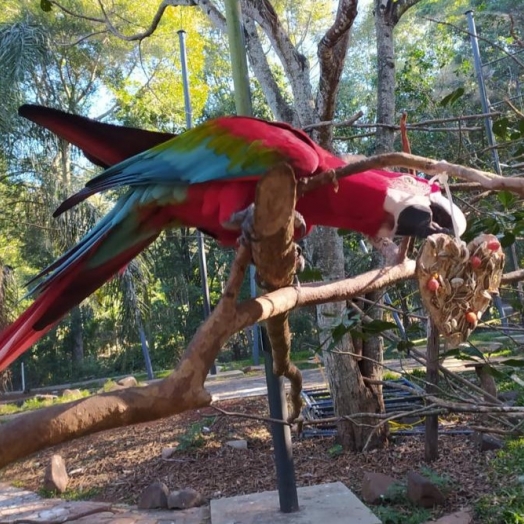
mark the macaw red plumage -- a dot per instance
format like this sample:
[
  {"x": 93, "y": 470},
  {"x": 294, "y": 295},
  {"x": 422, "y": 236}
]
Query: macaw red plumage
[{"x": 200, "y": 179}]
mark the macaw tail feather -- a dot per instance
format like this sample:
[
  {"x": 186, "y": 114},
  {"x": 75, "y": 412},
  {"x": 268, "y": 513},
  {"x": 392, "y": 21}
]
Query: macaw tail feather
[
  {"x": 101, "y": 254},
  {"x": 103, "y": 144},
  {"x": 73, "y": 200}
]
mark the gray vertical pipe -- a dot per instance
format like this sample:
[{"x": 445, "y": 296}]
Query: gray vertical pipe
[
  {"x": 189, "y": 124},
  {"x": 237, "y": 50},
  {"x": 482, "y": 88},
  {"x": 242, "y": 92},
  {"x": 487, "y": 122},
  {"x": 287, "y": 489}
]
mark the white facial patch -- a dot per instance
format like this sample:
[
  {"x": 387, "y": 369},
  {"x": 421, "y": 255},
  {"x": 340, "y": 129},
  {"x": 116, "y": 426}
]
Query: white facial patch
[{"x": 403, "y": 192}]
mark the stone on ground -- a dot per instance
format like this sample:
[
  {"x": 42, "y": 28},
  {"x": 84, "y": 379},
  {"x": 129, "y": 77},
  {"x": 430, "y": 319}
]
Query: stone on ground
[
  {"x": 154, "y": 496},
  {"x": 460, "y": 517},
  {"x": 184, "y": 499},
  {"x": 375, "y": 487},
  {"x": 168, "y": 453},
  {"x": 325, "y": 503},
  {"x": 128, "y": 382},
  {"x": 422, "y": 492},
  {"x": 237, "y": 444},
  {"x": 71, "y": 393},
  {"x": 56, "y": 478},
  {"x": 487, "y": 442}
]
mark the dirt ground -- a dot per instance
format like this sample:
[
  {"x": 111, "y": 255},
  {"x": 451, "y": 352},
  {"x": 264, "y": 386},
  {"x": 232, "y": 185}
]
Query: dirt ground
[{"x": 116, "y": 465}]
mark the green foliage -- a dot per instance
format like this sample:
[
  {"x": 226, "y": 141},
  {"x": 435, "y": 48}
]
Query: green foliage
[
  {"x": 34, "y": 403},
  {"x": 410, "y": 515},
  {"x": 70, "y": 494},
  {"x": 335, "y": 451},
  {"x": 398, "y": 509},
  {"x": 506, "y": 504},
  {"x": 194, "y": 438}
]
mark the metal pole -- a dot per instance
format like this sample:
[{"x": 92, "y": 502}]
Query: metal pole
[
  {"x": 237, "y": 50},
  {"x": 482, "y": 88},
  {"x": 287, "y": 489},
  {"x": 200, "y": 236},
  {"x": 22, "y": 373},
  {"x": 145, "y": 348},
  {"x": 256, "y": 327},
  {"x": 488, "y": 123}
]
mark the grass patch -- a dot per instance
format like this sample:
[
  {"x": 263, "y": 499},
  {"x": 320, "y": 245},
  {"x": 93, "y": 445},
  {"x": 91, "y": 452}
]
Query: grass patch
[
  {"x": 70, "y": 494},
  {"x": 35, "y": 403},
  {"x": 409, "y": 514},
  {"x": 505, "y": 504},
  {"x": 194, "y": 438},
  {"x": 398, "y": 509}
]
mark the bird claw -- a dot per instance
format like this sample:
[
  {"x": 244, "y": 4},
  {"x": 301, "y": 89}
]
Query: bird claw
[
  {"x": 299, "y": 223},
  {"x": 245, "y": 221}
]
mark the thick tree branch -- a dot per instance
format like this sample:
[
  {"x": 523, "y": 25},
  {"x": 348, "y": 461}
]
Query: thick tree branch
[
  {"x": 332, "y": 51},
  {"x": 275, "y": 257},
  {"x": 257, "y": 59},
  {"x": 487, "y": 180},
  {"x": 295, "y": 65},
  {"x": 183, "y": 389}
]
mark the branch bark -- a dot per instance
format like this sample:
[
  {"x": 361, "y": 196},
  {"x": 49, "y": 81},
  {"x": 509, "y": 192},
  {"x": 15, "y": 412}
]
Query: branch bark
[
  {"x": 487, "y": 180},
  {"x": 274, "y": 255}
]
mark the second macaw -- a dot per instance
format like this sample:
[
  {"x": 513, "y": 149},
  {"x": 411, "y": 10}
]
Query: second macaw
[{"x": 201, "y": 179}]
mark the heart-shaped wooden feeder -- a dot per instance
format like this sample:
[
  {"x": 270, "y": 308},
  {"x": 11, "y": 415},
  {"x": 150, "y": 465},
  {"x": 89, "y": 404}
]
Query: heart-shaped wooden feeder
[{"x": 457, "y": 282}]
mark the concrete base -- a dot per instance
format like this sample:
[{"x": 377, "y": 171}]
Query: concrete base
[{"x": 326, "y": 503}]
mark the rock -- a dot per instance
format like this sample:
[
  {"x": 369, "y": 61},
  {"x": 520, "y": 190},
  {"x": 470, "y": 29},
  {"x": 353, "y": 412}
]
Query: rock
[
  {"x": 56, "y": 477},
  {"x": 422, "y": 492},
  {"x": 168, "y": 453},
  {"x": 375, "y": 487},
  {"x": 460, "y": 517},
  {"x": 508, "y": 396},
  {"x": 45, "y": 396},
  {"x": 487, "y": 442},
  {"x": 184, "y": 499},
  {"x": 71, "y": 393},
  {"x": 154, "y": 496},
  {"x": 252, "y": 368},
  {"x": 128, "y": 382},
  {"x": 237, "y": 444}
]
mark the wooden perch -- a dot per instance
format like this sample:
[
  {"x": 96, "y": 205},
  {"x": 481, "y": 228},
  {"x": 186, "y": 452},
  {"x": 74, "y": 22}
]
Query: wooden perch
[
  {"x": 487, "y": 180},
  {"x": 183, "y": 389},
  {"x": 274, "y": 255}
]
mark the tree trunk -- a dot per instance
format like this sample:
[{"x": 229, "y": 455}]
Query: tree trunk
[
  {"x": 344, "y": 372},
  {"x": 384, "y": 26}
]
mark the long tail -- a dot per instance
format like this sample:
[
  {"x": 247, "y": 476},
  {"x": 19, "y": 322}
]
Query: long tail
[
  {"x": 117, "y": 238},
  {"x": 102, "y": 144}
]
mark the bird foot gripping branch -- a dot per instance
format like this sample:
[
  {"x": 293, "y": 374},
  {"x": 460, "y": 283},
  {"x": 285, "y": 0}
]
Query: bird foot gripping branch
[
  {"x": 245, "y": 221},
  {"x": 457, "y": 282}
]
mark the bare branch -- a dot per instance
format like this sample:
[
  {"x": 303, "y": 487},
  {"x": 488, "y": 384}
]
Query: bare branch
[
  {"x": 345, "y": 123},
  {"x": 332, "y": 51},
  {"x": 488, "y": 180},
  {"x": 251, "y": 417}
]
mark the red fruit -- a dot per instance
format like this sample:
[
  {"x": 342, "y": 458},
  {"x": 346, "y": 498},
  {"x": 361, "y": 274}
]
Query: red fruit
[
  {"x": 432, "y": 284},
  {"x": 471, "y": 317},
  {"x": 475, "y": 262},
  {"x": 494, "y": 245}
]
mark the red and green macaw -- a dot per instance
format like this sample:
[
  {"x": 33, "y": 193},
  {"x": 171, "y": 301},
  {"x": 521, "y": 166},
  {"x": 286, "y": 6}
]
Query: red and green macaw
[{"x": 201, "y": 179}]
